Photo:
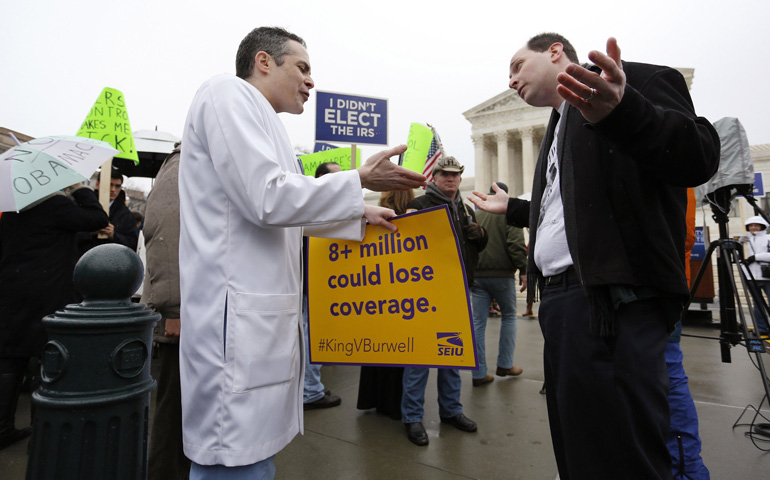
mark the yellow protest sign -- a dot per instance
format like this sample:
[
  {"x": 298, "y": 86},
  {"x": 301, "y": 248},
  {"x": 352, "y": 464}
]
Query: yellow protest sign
[
  {"x": 418, "y": 144},
  {"x": 108, "y": 121},
  {"x": 340, "y": 156},
  {"x": 394, "y": 298}
]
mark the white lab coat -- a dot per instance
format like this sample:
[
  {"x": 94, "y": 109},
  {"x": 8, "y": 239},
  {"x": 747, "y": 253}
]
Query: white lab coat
[{"x": 243, "y": 204}]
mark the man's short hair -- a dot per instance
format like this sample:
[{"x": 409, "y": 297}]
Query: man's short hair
[
  {"x": 116, "y": 175},
  {"x": 323, "y": 169},
  {"x": 541, "y": 43},
  {"x": 272, "y": 40},
  {"x": 502, "y": 186}
]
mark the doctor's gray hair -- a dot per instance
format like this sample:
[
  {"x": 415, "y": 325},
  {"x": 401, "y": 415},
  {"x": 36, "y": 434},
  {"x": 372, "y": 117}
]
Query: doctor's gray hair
[{"x": 272, "y": 40}]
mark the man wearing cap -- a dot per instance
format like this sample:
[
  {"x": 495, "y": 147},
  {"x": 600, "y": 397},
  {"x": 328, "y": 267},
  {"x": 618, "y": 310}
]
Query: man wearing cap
[
  {"x": 496, "y": 279},
  {"x": 443, "y": 190}
]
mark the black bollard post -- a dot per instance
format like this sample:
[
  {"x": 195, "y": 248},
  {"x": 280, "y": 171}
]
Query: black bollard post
[{"x": 92, "y": 410}]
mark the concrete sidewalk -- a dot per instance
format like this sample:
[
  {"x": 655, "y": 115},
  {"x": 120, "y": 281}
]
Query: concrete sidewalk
[{"x": 513, "y": 440}]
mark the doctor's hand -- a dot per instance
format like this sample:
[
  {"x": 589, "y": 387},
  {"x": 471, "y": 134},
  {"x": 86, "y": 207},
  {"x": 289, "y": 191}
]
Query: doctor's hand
[
  {"x": 497, "y": 203},
  {"x": 380, "y": 174},
  {"x": 380, "y": 216},
  {"x": 595, "y": 95}
]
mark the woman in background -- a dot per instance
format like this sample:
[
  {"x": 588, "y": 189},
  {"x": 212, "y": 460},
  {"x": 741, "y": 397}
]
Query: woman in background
[{"x": 381, "y": 387}]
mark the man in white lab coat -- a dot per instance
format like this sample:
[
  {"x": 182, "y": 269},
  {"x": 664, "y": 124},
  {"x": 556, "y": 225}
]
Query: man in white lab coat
[{"x": 244, "y": 208}]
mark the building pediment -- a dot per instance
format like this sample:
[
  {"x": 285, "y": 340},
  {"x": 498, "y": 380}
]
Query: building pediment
[{"x": 504, "y": 102}]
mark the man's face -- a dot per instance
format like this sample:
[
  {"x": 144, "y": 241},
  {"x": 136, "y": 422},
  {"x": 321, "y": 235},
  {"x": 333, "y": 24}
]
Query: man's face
[
  {"x": 115, "y": 186},
  {"x": 448, "y": 182},
  {"x": 291, "y": 81},
  {"x": 755, "y": 227},
  {"x": 533, "y": 76}
]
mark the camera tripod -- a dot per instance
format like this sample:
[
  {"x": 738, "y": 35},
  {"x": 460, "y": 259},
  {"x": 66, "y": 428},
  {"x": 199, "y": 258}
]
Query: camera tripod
[{"x": 734, "y": 329}]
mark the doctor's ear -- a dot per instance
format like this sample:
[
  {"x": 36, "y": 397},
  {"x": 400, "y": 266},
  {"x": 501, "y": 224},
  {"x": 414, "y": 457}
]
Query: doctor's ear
[{"x": 262, "y": 62}]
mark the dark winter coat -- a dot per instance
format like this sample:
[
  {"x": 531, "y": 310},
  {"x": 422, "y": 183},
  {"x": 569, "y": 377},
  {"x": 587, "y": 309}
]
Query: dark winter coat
[
  {"x": 624, "y": 184},
  {"x": 124, "y": 222},
  {"x": 461, "y": 218},
  {"x": 37, "y": 258}
]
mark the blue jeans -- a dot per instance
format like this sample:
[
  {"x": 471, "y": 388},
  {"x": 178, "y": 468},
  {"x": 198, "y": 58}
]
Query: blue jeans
[
  {"x": 684, "y": 419},
  {"x": 262, "y": 470},
  {"x": 504, "y": 291},
  {"x": 413, "y": 398},
  {"x": 313, "y": 389}
]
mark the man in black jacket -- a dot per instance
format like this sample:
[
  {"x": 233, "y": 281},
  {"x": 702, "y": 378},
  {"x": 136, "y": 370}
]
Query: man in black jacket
[
  {"x": 443, "y": 190},
  {"x": 607, "y": 236},
  {"x": 122, "y": 227}
]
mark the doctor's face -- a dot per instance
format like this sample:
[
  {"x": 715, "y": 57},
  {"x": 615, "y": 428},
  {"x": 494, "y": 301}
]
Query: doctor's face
[{"x": 291, "y": 80}]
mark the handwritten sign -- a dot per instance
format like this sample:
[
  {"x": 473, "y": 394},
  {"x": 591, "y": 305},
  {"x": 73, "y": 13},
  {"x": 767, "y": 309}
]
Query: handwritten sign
[
  {"x": 418, "y": 144},
  {"x": 394, "y": 298},
  {"x": 108, "y": 121},
  {"x": 340, "y": 156},
  {"x": 351, "y": 119}
]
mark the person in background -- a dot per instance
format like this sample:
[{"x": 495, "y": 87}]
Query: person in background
[
  {"x": 327, "y": 167},
  {"x": 314, "y": 394},
  {"x": 496, "y": 279},
  {"x": 382, "y": 387},
  {"x": 122, "y": 227},
  {"x": 37, "y": 260},
  {"x": 443, "y": 190},
  {"x": 161, "y": 294},
  {"x": 757, "y": 243}
]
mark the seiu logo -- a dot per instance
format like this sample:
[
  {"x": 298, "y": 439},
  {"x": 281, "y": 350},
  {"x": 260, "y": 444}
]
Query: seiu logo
[{"x": 449, "y": 344}]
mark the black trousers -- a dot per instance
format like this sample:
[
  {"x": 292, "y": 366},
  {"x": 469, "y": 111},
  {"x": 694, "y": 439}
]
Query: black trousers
[
  {"x": 606, "y": 396},
  {"x": 167, "y": 460}
]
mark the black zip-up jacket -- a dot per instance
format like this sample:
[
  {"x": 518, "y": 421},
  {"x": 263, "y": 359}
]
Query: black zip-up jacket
[
  {"x": 623, "y": 184},
  {"x": 469, "y": 248}
]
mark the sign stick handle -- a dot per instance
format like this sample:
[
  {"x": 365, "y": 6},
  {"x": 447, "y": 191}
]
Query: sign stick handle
[
  {"x": 104, "y": 190},
  {"x": 353, "y": 156}
]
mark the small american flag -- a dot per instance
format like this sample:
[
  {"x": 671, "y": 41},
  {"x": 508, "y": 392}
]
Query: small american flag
[{"x": 435, "y": 152}]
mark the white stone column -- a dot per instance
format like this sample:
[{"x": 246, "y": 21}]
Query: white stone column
[
  {"x": 503, "y": 160},
  {"x": 481, "y": 166},
  {"x": 527, "y": 158}
]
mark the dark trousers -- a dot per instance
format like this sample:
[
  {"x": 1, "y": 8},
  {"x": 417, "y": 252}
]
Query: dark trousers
[
  {"x": 167, "y": 460},
  {"x": 606, "y": 396}
]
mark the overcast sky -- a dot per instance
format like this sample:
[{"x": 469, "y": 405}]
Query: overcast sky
[{"x": 430, "y": 60}]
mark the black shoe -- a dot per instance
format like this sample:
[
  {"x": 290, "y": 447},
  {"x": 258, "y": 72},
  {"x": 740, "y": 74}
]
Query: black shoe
[
  {"x": 542, "y": 390},
  {"x": 416, "y": 433},
  {"x": 327, "y": 401},
  {"x": 461, "y": 422}
]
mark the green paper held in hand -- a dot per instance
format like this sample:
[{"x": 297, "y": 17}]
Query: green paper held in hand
[
  {"x": 108, "y": 121},
  {"x": 418, "y": 145}
]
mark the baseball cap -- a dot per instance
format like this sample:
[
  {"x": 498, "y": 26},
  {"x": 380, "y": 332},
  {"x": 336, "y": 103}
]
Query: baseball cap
[{"x": 448, "y": 164}]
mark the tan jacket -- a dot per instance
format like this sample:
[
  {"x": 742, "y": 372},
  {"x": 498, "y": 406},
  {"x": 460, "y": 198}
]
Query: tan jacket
[{"x": 161, "y": 238}]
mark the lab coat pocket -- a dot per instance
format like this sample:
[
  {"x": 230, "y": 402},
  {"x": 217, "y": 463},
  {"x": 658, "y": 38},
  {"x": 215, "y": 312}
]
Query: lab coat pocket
[{"x": 264, "y": 336}]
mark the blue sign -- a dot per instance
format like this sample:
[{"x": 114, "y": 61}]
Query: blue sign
[
  {"x": 351, "y": 119},
  {"x": 759, "y": 188},
  {"x": 699, "y": 248},
  {"x": 320, "y": 147}
]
